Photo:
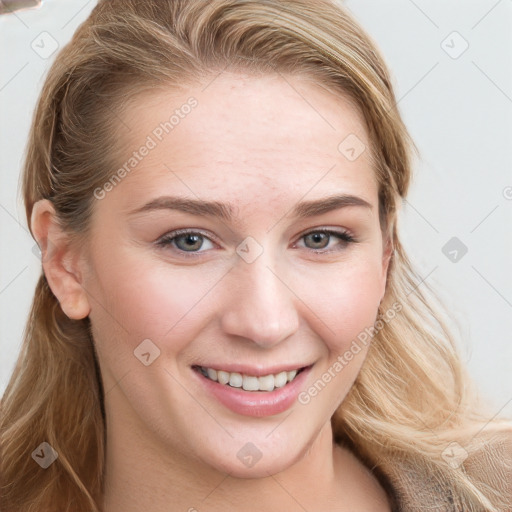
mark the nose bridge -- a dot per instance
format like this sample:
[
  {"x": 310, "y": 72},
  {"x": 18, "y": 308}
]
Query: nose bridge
[{"x": 261, "y": 307}]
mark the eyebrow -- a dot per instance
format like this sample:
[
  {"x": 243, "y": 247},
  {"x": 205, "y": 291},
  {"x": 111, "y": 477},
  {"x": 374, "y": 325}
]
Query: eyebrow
[{"x": 225, "y": 211}]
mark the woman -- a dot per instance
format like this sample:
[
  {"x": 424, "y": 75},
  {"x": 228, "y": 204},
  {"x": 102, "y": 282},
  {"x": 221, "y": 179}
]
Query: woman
[{"x": 226, "y": 319}]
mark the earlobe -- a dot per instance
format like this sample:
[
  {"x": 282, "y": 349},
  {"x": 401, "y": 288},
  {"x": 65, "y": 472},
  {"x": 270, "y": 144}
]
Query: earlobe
[{"x": 60, "y": 261}]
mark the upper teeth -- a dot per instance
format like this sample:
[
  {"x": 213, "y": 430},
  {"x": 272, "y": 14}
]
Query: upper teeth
[{"x": 249, "y": 382}]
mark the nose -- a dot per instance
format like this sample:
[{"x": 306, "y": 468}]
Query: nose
[{"x": 261, "y": 306}]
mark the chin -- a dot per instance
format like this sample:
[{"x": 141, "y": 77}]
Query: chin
[
  {"x": 249, "y": 461},
  {"x": 262, "y": 469}
]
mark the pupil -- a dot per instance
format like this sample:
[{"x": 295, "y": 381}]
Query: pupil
[
  {"x": 191, "y": 241},
  {"x": 318, "y": 238}
]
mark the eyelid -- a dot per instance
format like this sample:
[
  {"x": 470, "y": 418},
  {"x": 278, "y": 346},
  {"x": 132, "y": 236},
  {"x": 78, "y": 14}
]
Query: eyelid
[
  {"x": 185, "y": 231},
  {"x": 328, "y": 229}
]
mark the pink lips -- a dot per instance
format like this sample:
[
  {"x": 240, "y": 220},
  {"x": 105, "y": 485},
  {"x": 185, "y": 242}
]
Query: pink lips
[{"x": 255, "y": 403}]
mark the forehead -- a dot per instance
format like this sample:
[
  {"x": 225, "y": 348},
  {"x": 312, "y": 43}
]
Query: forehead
[{"x": 240, "y": 136}]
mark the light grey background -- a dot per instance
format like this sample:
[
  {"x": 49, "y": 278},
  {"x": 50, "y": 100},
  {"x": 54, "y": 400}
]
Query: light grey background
[{"x": 457, "y": 105}]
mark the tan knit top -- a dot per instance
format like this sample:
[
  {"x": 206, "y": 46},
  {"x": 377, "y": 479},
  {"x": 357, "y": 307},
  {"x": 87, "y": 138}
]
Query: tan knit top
[{"x": 418, "y": 487}]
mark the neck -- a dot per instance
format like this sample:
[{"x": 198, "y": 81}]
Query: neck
[{"x": 142, "y": 475}]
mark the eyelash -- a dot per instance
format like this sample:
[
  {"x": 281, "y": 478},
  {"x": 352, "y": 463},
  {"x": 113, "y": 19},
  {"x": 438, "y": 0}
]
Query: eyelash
[{"x": 344, "y": 236}]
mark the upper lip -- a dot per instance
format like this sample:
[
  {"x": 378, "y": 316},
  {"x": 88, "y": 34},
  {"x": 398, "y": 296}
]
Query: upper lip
[{"x": 256, "y": 371}]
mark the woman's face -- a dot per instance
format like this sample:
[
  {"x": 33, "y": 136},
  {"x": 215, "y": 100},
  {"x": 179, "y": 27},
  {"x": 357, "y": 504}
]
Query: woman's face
[{"x": 248, "y": 168}]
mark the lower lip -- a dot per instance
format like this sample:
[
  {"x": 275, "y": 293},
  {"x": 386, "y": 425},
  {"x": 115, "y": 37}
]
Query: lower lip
[{"x": 255, "y": 403}]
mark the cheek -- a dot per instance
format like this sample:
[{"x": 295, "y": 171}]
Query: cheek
[
  {"x": 344, "y": 298},
  {"x": 146, "y": 298}
]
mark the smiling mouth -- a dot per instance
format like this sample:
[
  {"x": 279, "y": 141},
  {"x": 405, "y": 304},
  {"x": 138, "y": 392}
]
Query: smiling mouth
[{"x": 249, "y": 382}]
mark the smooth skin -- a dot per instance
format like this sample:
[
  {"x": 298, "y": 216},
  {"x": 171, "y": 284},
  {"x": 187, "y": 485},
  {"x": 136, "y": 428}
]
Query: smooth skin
[{"x": 263, "y": 145}]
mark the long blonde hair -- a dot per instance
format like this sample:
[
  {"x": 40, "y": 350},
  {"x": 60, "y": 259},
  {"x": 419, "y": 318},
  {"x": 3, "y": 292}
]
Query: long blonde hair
[{"x": 412, "y": 395}]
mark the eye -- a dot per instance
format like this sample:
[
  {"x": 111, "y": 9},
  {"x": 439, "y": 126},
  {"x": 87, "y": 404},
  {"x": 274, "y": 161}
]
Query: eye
[
  {"x": 320, "y": 239},
  {"x": 189, "y": 243},
  {"x": 185, "y": 241}
]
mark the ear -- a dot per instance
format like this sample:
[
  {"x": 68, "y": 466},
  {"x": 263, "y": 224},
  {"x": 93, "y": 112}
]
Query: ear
[
  {"x": 60, "y": 261},
  {"x": 386, "y": 257}
]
